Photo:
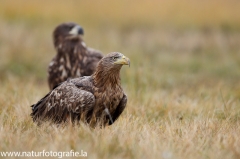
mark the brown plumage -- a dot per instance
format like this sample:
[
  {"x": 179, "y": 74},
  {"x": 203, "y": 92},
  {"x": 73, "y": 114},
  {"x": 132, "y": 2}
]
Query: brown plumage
[
  {"x": 73, "y": 58},
  {"x": 96, "y": 99}
]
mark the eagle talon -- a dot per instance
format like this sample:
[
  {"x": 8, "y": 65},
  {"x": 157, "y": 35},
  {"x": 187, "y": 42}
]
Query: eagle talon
[{"x": 108, "y": 113}]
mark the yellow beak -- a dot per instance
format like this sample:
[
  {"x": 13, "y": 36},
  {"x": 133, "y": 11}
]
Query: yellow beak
[{"x": 123, "y": 61}]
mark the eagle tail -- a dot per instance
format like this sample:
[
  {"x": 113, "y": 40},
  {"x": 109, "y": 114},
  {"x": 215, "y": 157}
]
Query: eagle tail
[{"x": 38, "y": 108}]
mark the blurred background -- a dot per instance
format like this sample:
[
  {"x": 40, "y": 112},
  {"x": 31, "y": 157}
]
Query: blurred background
[
  {"x": 173, "y": 45},
  {"x": 183, "y": 85}
]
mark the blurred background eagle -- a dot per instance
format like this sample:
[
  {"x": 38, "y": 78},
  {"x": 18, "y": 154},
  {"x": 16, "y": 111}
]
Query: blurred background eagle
[{"x": 73, "y": 58}]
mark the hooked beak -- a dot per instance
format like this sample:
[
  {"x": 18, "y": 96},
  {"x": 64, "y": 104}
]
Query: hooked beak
[
  {"x": 123, "y": 61},
  {"x": 76, "y": 30}
]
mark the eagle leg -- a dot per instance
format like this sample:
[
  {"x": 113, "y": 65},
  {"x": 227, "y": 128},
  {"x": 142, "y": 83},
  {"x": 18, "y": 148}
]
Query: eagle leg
[{"x": 108, "y": 113}]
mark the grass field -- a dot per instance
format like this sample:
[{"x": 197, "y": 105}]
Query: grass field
[{"x": 183, "y": 85}]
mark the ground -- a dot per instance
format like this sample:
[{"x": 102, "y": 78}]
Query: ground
[{"x": 183, "y": 85}]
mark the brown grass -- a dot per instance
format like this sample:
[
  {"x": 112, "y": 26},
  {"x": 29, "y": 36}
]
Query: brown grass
[{"x": 183, "y": 84}]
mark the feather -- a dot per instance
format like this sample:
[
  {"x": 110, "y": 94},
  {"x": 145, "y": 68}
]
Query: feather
[
  {"x": 96, "y": 100},
  {"x": 73, "y": 58}
]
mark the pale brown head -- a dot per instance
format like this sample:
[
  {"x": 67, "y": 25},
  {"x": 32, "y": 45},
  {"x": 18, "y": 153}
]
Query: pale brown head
[
  {"x": 108, "y": 69},
  {"x": 114, "y": 60}
]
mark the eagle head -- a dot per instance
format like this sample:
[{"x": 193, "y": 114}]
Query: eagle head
[
  {"x": 114, "y": 61},
  {"x": 66, "y": 31}
]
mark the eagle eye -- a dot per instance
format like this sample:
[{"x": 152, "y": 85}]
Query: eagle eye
[
  {"x": 70, "y": 27},
  {"x": 114, "y": 58}
]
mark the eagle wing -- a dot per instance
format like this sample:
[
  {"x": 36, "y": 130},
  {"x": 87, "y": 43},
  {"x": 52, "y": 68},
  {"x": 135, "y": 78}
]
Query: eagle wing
[
  {"x": 67, "y": 101},
  {"x": 119, "y": 109},
  {"x": 94, "y": 56},
  {"x": 93, "y": 52}
]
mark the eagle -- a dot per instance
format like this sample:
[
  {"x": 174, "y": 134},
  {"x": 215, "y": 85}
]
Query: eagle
[
  {"x": 73, "y": 58},
  {"x": 95, "y": 100}
]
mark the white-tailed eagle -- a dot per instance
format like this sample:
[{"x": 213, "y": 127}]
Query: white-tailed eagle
[
  {"x": 73, "y": 58},
  {"x": 96, "y": 99}
]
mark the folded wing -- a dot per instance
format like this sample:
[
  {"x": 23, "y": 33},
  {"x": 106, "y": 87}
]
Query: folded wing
[{"x": 65, "y": 102}]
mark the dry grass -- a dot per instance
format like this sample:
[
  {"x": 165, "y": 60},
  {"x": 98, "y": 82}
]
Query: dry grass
[{"x": 183, "y": 85}]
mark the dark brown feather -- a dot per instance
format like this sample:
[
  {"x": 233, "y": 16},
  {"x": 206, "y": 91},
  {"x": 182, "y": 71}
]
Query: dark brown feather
[
  {"x": 66, "y": 100},
  {"x": 73, "y": 58}
]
